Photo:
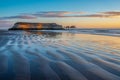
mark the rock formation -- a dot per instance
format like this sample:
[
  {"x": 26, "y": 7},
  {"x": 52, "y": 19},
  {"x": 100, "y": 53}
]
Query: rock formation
[{"x": 36, "y": 26}]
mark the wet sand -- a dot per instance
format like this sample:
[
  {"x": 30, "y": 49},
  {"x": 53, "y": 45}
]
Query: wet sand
[{"x": 41, "y": 55}]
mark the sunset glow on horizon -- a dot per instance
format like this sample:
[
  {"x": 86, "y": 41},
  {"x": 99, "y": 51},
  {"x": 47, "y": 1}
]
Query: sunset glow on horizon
[{"x": 82, "y": 14}]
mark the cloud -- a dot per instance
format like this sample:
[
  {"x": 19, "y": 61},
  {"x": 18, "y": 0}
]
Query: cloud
[
  {"x": 19, "y": 17},
  {"x": 67, "y": 14},
  {"x": 62, "y": 14},
  {"x": 6, "y": 24},
  {"x": 95, "y": 15},
  {"x": 112, "y": 13},
  {"x": 103, "y": 14},
  {"x": 51, "y": 14},
  {"x": 3, "y": 21},
  {"x": 48, "y": 14}
]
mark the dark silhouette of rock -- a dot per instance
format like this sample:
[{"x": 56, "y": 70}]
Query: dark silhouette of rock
[
  {"x": 36, "y": 26},
  {"x": 70, "y": 27}
]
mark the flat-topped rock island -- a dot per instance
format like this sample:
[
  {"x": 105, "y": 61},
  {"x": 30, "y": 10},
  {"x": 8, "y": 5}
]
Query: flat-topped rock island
[{"x": 36, "y": 26}]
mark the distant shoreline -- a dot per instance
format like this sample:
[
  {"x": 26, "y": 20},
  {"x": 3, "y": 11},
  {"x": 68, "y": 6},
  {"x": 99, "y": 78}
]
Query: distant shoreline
[
  {"x": 66, "y": 29},
  {"x": 76, "y": 29}
]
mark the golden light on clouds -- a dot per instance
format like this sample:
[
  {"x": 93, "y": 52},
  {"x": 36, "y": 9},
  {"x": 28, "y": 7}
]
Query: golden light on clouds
[{"x": 110, "y": 19}]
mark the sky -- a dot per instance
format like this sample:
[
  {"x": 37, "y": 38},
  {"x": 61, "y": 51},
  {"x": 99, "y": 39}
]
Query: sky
[{"x": 80, "y": 13}]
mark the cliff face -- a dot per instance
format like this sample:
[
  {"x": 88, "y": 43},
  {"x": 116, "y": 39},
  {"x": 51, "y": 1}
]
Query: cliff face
[{"x": 35, "y": 26}]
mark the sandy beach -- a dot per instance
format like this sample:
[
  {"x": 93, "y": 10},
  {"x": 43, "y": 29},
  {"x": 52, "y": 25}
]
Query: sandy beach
[{"x": 59, "y": 55}]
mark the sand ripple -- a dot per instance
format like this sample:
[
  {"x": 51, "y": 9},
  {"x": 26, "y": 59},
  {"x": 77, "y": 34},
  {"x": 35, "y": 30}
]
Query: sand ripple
[{"x": 58, "y": 56}]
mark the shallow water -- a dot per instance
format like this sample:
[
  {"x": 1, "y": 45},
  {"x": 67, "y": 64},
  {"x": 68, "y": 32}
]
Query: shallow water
[{"x": 47, "y": 55}]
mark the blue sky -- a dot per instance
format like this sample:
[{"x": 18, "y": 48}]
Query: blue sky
[{"x": 11, "y": 8}]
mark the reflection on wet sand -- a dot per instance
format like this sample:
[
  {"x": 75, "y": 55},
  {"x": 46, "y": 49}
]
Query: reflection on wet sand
[
  {"x": 41, "y": 55},
  {"x": 45, "y": 33}
]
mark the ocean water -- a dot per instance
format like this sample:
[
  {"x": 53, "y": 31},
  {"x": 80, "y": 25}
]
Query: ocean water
[{"x": 59, "y": 55}]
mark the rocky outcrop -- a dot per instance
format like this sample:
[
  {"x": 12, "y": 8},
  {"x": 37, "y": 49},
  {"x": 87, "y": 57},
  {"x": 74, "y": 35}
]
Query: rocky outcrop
[{"x": 36, "y": 26}]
